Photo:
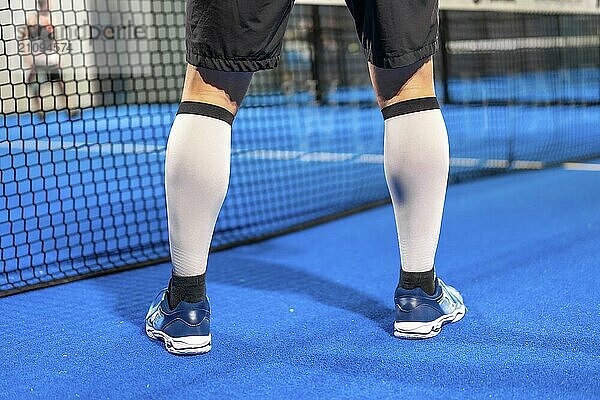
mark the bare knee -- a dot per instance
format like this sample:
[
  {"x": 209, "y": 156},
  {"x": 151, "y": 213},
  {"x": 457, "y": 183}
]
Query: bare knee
[
  {"x": 400, "y": 84},
  {"x": 223, "y": 89}
]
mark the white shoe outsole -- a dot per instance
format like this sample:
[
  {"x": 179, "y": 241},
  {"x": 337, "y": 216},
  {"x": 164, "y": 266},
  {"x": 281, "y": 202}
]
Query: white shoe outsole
[
  {"x": 425, "y": 330},
  {"x": 187, "y": 345}
]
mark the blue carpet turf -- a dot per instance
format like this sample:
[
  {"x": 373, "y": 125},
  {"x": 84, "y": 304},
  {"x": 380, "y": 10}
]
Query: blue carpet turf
[{"x": 309, "y": 315}]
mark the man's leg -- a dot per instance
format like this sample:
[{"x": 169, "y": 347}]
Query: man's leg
[
  {"x": 222, "y": 54},
  {"x": 416, "y": 159},
  {"x": 34, "y": 87},
  {"x": 399, "y": 38},
  {"x": 196, "y": 179},
  {"x": 73, "y": 112},
  {"x": 197, "y": 173}
]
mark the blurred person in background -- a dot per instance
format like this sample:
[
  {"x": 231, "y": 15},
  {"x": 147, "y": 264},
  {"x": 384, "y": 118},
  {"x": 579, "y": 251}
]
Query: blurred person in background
[{"x": 42, "y": 59}]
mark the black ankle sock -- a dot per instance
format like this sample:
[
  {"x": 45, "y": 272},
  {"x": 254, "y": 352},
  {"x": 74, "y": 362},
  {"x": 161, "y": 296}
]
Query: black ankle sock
[
  {"x": 190, "y": 289},
  {"x": 423, "y": 280}
]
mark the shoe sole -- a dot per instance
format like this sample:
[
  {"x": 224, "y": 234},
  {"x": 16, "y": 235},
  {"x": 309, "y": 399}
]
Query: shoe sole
[
  {"x": 187, "y": 345},
  {"x": 426, "y": 330}
]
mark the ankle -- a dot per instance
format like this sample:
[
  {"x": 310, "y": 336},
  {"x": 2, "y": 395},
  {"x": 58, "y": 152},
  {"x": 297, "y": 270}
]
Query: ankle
[
  {"x": 191, "y": 289},
  {"x": 424, "y": 280}
]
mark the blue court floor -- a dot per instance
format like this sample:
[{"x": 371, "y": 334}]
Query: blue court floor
[{"x": 309, "y": 314}]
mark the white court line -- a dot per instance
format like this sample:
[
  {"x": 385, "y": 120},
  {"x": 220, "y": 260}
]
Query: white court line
[
  {"x": 494, "y": 163},
  {"x": 101, "y": 148},
  {"x": 464, "y": 162},
  {"x": 530, "y": 6},
  {"x": 279, "y": 155},
  {"x": 582, "y": 167},
  {"x": 268, "y": 154},
  {"x": 370, "y": 159},
  {"x": 521, "y": 43},
  {"x": 327, "y": 157},
  {"x": 521, "y": 164}
]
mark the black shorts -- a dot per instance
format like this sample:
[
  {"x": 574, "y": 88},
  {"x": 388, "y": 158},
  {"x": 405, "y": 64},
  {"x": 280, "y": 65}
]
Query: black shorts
[{"x": 233, "y": 35}]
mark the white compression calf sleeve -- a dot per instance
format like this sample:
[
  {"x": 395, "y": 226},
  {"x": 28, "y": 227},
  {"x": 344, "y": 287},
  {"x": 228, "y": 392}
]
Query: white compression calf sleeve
[
  {"x": 416, "y": 160},
  {"x": 197, "y": 176}
]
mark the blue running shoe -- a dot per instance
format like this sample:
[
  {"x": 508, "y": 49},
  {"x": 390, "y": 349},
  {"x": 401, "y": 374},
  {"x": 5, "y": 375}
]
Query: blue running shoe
[
  {"x": 185, "y": 330},
  {"x": 421, "y": 316}
]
